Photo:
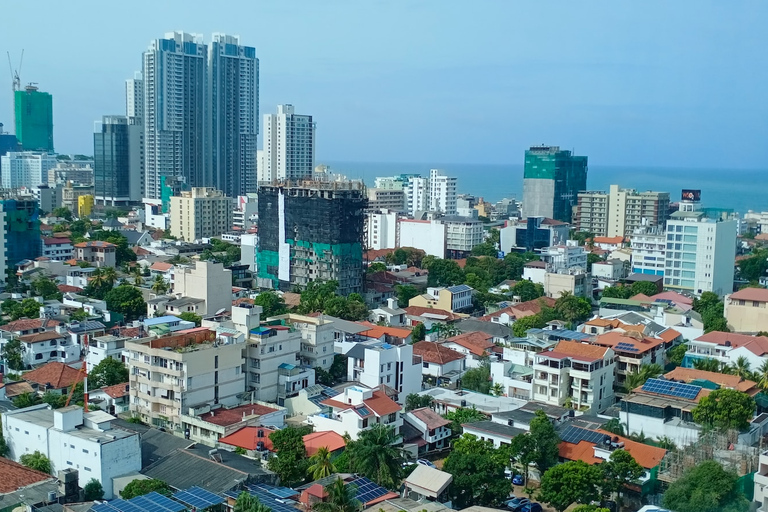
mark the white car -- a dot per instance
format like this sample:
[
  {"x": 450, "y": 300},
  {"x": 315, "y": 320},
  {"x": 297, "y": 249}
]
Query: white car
[{"x": 425, "y": 462}]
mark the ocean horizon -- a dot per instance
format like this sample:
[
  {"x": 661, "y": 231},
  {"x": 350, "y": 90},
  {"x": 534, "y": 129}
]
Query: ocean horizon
[{"x": 736, "y": 189}]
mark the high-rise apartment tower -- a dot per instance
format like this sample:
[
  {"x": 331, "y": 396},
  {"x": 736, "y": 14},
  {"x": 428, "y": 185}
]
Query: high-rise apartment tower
[{"x": 551, "y": 182}]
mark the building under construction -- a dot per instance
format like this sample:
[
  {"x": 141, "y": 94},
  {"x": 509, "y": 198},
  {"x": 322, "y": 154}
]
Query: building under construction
[{"x": 311, "y": 231}]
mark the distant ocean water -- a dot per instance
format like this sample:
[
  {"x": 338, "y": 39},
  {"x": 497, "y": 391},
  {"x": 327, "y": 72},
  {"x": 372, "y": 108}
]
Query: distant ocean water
[{"x": 737, "y": 189}]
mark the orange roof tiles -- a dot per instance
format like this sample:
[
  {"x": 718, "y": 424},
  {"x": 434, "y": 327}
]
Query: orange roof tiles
[
  {"x": 420, "y": 310},
  {"x": 65, "y": 288},
  {"x": 528, "y": 308},
  {"x": 14, "y": 389},
  {"x": 476, "y": 342},
  {"x": 721, "y": 379},
  {"x": 646, "y": 455},
  {"x": 226, "y": 417},
  {"x": 248, "y": 437},
  {"x": 584, "y": 451},
  {"x": 377, "y": 331},
  {"x": 56, "y": 241},
  {"x": 161, "y": 266},
  {"x": 117, "y": 390},
  {"x": 669, "y": 335},
  {"x": 327, "y": 439},
  {"x": 613, "y": 338},
  {"x": 609, "y": 239},
  {"x": 28, "y": 324},
  {"x": 430, "y": 418},
  {"x": 641, "y": 297},
  {"x": 16, "y": 476},
  {"x": 435, "y": 352},
  {"x": 673, "y": 296},
  {"x": 96, "y": 243},
  {"x": 379, "y": 403},
  {"x": 758, "y": 345},
  {"x": 753, "y": 294},
  {"x": 579, "y": 351},
  {"x": 58, "y": 375},
  {"x": 39, "y": 337}
]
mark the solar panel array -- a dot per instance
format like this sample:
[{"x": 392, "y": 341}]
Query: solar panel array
[
  {"x": 628, "y": 347},
  {"x": 574, "y": 435},
  {"x": 324, "y": 394},
  {"x": 363, "y": 411},
  {"x": 367, "y": 491},
  {"x": 281, "y": 492},
  {"x": 266, "y": 497},
  {"x": 198, "y": 497},
  {"x": 669, "y": 388}
]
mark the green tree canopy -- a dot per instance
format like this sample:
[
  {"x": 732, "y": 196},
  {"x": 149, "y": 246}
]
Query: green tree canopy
[
  {"x": 93, "y": 490},
  {"x": 527, "y": 290},
  {"x": 291, "y": 462},
  {"x": 142, "y": 487},
  {"x": 572, "y": 308},
  {"x": 478, "y": 473},
  {"x": 351, "y": 308},
  {"x": 545, "y": 440},
  {"x": 753, "y": 268},
  {"x": 444, "y": 273},
  {"x": 706, "y": 487},
  {"x": 108, "y": 373},
  {"x": 375, "y": 455},
  {"x": 13, "y": 354},
  {"x": 477, "y": 379},
  {"x": 614, "y": 426},
  {"x": 127, "y": 300},
  {"x": 636, "y": 379},
  {"x": 271, "y": 303},
  {"x": 46, "y": 288},
  {"x": 341, "y": 498},
  {"x": 571, "y": 482},
  {"x": 415, "y": 401},
  {"x": 463, "y": 415},
  {"x": 376, "y": 266},
  {"x": 315, "y": 296},
  {"x": 620, "y": 470},
  {"x": 36, "y": 460},
  {"x": 320, "y": 464},
  {"x": 191, "y": 317},
  {"x": 62, "y": 213},
  {"x": 404, "y": 293},
  {"x": 676, "y": 354},
  {"x": 725, "y": 409},
  {"x": 418, "y": 333}
]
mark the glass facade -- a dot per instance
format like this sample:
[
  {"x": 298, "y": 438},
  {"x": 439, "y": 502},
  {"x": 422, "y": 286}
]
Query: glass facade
[
  {"x": 567, "y": 171},
  {"x": 111, "y": 160},
  {"x": 34, "y": 119}
]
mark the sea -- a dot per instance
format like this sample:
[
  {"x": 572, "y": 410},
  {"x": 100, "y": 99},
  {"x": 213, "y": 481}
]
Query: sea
[{"x": 740, "y": 190}]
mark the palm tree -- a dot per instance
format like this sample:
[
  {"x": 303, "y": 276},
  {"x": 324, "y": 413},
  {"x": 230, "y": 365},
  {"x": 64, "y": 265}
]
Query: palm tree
[
  {"x": 741, "y": 368},
  {"x": 138, "y": 279},
  {"x": 637, "y": 379},
  {"x": 341, "y": 498},
  {"x": 707, "y": 364},
  {"x": 97, "y": 278},
  {"x": 109, "y": 274},
  {"x": 497, "y": 389},
  {"x": 321, "y": 465},
  {"x": 159, "y": 286},
  {"x": 762, "y": 376},
  {"x": 374, "y": 455},
  {"x": 248, "y": 503}
]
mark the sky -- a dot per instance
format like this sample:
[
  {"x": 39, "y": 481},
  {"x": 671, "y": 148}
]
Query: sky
[{"x": 652, "y": 83}]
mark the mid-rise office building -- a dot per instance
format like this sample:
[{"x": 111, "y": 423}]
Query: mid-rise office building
[
  {"x": 34, "y": 119},
  {"x": 175, "y": 99},
  {"x": 649, "y": 248},
  {"x": 620, "y": 211},
  {"x": 234, "y": 114},
  {"x": 442, "y": 192},
  {"x": 315, "y": 233},
  {"x": 26, "y": 169},
  {"x": 289, "y": 146},
  {"x": 532, "y": 234},
  {"x": 383, "y": 199},
  {"x": 551, "y": 182},
  {"x": 78, "y": 171},
  {"x": 200, "y": 213},
  {"x": 394, "y": 182},
  {"x": 21, "y": 228},
  {"x": 118, "y": 160}
]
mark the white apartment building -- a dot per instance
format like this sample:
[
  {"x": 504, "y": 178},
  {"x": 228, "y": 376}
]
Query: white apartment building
[
  {"x": 700, "y": 253},
  {"x": 442, "y": 192},
  {"x": 462, "y": 234},
  {"x": 416, "y": 194},
  {"x": 200, "y": 213},
  {"x": 289, "y": 146},
  {"x": 386, "y": 199},
  {"x": 271, "y": 349},
  {"x": 566, "y": 257},
  {"x": 170, "y": 374},
  {"x": 57, "y": 249},
  {"x": 575, "y": 373},
  {"x": 620, "y": 211},
  {"x": 103, "y": 347},
  {"x": 355, "y": 410},
  {"x": 246, "y": 212},
  {"x": 430, "y": 237},
  {"x": 134, "y": 96},
  {"x": 44, "y": 347},
  {"x": 726, "y": 348},
  {"x": 72, "y": 439},
  {"x": 576, "y": 282},
  {"x": 208, "y": 281},
  {"x": 25, "y": 169},
  {"x": 610, "y": 270},
  {"x": 648, "y": 252},
  {"x": 382, "y": 229},
  {"x": 434, "y": 428},
  {"x": 374, "y": 364},
  {"x": 248, "y": 244}
]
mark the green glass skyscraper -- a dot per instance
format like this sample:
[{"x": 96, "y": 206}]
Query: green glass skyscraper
[
  {"x": 551, "y": 182},
  {"x": 34, "y": 119}
]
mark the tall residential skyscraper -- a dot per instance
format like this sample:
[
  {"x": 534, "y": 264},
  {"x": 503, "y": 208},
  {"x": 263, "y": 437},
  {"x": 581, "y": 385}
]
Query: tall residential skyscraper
[
  {"x": 620, "y": 211},
  {"x": 442, "y": 192},
  {"x": 234, "y": 114},
  {"x": 25, "y": 169},
  {"x": 175, "y": 72},
  {"x": 117, "y": 156},
  {"x": 289, "y": 146},
  {"x": 134, "y": 96},
  {"x": 34, "y": 119},
  {"x": 551, "y": 182}
]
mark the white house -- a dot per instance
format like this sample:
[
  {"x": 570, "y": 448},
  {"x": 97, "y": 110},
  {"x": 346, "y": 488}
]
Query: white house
[
  {"x": 102, "y": 347},
  {"x": 439, "y": 362},
  {"x": 112, "y": 399},
  {"x": 515, "y": 379},
  {"x": 77, "y": 276},
  {"x": 497, "y": 433},
  {"x": 433, "y": 428},
  {"x": 391, "y": 314},
  {"x": 357, "y": 409},
  {"x": 378, "y": 363},
  {"x": 474, "y": 345},
  {"x": 71, "y": 439},
  {"x": 726, "y": 348}
]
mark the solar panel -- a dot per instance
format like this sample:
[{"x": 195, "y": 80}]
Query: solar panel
[
  {"x": 574, "y": 435},
  {"x": 125, "y": 506},
  {"x": 198, "y": 497},
  {"x": 363, "y": 411},
  {"x": 263, "y": 493},
  {"x": 283, "y": 492},
  {"x": 669, "y": 388},
  {"x": 627, "y": 347},
  {"x": 367, "y": 491},
  {"x": 103, "y": 507},
  {"x": 156, "y": 502}
]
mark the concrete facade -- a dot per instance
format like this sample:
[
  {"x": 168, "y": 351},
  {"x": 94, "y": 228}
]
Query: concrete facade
[{"x": 200, "y": 213}]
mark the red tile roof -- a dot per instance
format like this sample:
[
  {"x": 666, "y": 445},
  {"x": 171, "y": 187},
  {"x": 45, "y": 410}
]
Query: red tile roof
[
  {"x": 646, "y": 455},
  {"x": 56, "y": 241},
  {"x": 435, "y": 352},
  {"x": 39, "y": 337},
  {"x": 248, "y": 437},
  {"x": 58, "y": 375},
  {"x": 140, "y": 251},
  {"x": 28, "y": 324},
  {"x": 430, "y": 418},
  {"x": 14, "y": 389},
  {"x": 674, "y": 297},
  {"x": 16, "y": 476},
  {"x": 379, "y": 403},
  {"x": 584, "y": 451},
  {"x": 753, "y": 294},
  {"x": 476, "y": 342},
  {"x": 65, "y": 288},
  {"x": 721, "y": 379},
  {"x": 578, "y": 351},
  {"x": 327, "y": 439},
  {"x": 758, "y": 345},
  {"x": 226, "y": 417},
  {"x": 377, "y": 331},
  {"x": 609, "y": 239},
  {"x": 96, "y": 243},
  {"x": 636, "y": 339},
  {"x": 161, "y": 266},
  {"x": 116, "y": 391},
  {"x": 528, "y": 308},
  {"x": 420, "y": 310}
]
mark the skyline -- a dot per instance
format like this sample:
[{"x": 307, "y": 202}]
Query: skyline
[{"x": 623, "y": 86}]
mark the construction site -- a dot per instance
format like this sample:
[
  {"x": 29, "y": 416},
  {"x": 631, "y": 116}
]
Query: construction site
[{"x": 311, "y": 231}]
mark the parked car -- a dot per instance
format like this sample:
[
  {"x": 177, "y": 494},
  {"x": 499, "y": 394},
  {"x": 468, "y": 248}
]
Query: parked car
[
  {"x": 515, "y": 504},
  {"x": 531, "y": 506},
  {"x": 517, "y": 479},
  {"x": 425, "y": 462}
]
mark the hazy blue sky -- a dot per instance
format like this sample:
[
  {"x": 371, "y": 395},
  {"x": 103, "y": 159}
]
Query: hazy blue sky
[{"x": 656, "y": 83}]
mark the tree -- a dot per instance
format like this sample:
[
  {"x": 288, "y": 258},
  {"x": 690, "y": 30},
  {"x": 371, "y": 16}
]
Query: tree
[
  {"x": 707, "y": 364},
  {"x": 414, "y": 401},
  {"x": 592, "y": 258},
  {"x": 46, "y": 288},
  {"x": 636, "y": 379},
  {"x": 463, "y": 415},
  {"x": 706, "y": 487},
  {"x": 320, "y": 464},
  {"x": 191, "y": 317},
  {"x": 676, "y": 354},
  {"x": 643, "y": 287},
  {"x": 3, "y": 444},
  {"x": 478, "y": 473},
  {"x": 93, "y": 490},
  {"x": 159, "y": 285},
  {"x": 142, "y": 487},
  {"x": 26, "y": 400},
  {"x": 127, "y": 300},
  {"x": 55, "y": 400},
  {"x": 571, "y": 482},
  {"x": 741, "y": 368},
  {"x": 590, "y": 508},
  {"x": 444, "y": 273},
  {"x": 315, "y": 295},
  {"x": 108, "y": 373},
  {"x": 375, "y": 267},
  {"x": 341, "y": 498},
  {"x": 546, "y": 442},
  {"x": 418, "y": 333},
  {"x": 725, "y": 409},
  {"x": 36, "y": 460},
  {"x": 351, "y": 308},
  {"x": 375, "y": 456},
  {"x": 13, "y": 354},
  {"x": 246, "y": 502},
  {"x": 404, "y": 294},
  {"x": 291, "y": 462},
  {"x": 527, "y": 290},
  {"x": 497, "y": 389},
  {"x": 79, "y": 315},
  {"x": 614, "y": 426},
  {"x": 754, "y": 267},
  {"x": 521, "y": 326},
  {"x": 62, "y": 213},
  {"x": 572, "y": 308},
  {"x": 762, "y": 376},
  {"x": 27, "y": 308},
  {"x": 477, "y": 379},
  {"x": 621, "y": 470},
  {"x": 271, "y": 303}
]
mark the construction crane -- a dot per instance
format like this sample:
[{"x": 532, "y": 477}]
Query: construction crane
[
  {"x": 15, "y": 75},
  {"x": 84, "y": 370}
]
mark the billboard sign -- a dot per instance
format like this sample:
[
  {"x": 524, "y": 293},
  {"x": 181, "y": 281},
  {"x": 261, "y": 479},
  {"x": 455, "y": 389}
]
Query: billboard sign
[{"x": 691, "y": 195}]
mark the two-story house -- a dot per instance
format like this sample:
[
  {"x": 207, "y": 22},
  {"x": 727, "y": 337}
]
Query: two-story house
[
  {"x": 747, "y": 310},
  {"x": 476, "y": 346},
  {"x": 357, "y": 409},
  {"x": 57, "y": 249},
  {"x": 433, "y": 429},
  {"x": 726, "y": 348},
  {"x": 439, "y": 363},
  {"x": 452, "y": 298},
  {"x": 376, "y": 363},
  {"x": 100, "y": 254}
]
